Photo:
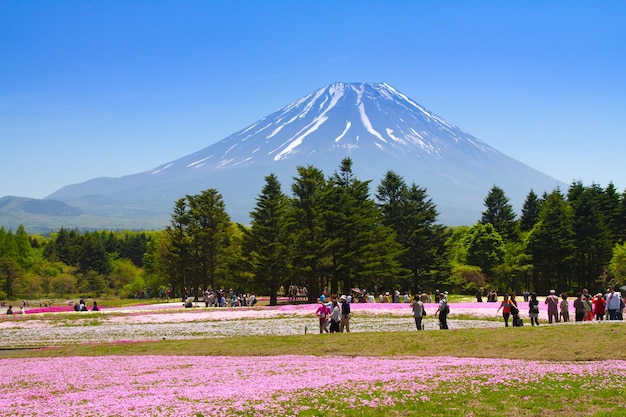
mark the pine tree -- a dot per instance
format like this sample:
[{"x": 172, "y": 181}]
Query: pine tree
[
  {"x": 530, "y": 212},
  {"x": 267, "y": 240},
  {"x": 177, "y": 256},
  {"x": 592, "y": 234},
  {"x": 551, "y": 244},
  {"x": 500, "y": 214},
  {"x": 307, "y": 229},
  {"x": 363, "y": 248},
  {"x": 209, "y": 236},
  {"x": 412, "y": 215}
]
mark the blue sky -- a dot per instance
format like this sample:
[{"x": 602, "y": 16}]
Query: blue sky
[{"x": 111, "y": 88}]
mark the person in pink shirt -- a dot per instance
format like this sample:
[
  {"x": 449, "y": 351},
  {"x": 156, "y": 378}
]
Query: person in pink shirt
[{"x": 323, "y": 313}]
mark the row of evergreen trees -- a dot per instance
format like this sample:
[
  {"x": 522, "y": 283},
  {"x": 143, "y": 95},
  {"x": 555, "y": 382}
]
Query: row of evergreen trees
[{"x": 331, "y": 234}]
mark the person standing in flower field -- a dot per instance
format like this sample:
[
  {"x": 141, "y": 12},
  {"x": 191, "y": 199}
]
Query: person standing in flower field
[
  {"x": 588, "y": 307},
  {"x": 613, "y": 303},
  {"x": 345, "y": 315},
  {"x": 579, "y": 307},
  {"x": 418, "y": 312},
  {"x": 506, "y": 305},
  {"x": 533, "y": 309},
  {"x": 323, "y": 313},
  {"x": 442, "y": 311},
  {"x": 553, "y": 307},
  {"x": 334, "y": 317},
  {"x": 598, "y": 306},
  {"x": 564, "y": 305}
]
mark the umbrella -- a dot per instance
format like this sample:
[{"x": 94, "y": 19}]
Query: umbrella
[
  {"x": 357, "y": 290},
  {"x": 623, "y": 288}
]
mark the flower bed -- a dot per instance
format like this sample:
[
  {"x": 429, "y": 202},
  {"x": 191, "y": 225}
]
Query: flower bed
[{"x": 290, "y": 385}]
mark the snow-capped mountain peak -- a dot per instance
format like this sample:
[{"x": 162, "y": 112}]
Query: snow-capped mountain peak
[{"x": 379, "y": 127}]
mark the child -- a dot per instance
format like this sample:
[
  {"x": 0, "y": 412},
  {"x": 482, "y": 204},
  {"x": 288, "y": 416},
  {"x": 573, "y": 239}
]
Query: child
[{"x": 564, "y": 308}]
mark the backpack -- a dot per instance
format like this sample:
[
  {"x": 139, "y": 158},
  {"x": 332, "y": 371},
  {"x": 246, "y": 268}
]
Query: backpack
[
  {"x": 534, "y": 308},
  {"x": 446, "y": 309}
]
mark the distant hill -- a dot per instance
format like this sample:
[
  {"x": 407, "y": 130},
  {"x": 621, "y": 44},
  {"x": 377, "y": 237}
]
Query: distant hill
[{"x": 377, "y": 126}]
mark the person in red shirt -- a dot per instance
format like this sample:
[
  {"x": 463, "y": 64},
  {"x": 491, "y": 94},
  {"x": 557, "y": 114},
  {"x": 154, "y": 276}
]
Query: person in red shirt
[
  {"x": 506, "y": 306},
  {"x": 599, "y": 308}
]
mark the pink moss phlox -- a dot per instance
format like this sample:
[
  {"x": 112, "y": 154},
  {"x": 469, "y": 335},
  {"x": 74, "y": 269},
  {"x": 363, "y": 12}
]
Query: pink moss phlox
[{"x": 165, "y": 385}]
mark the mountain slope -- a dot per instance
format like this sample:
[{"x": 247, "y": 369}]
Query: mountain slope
[{"x": 377, "y": 126}]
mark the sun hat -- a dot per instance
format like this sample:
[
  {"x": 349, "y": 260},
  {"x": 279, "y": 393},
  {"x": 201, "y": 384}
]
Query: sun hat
[
  {"x": 343, "y": 297},
  {"x": 552, "y": 292}
]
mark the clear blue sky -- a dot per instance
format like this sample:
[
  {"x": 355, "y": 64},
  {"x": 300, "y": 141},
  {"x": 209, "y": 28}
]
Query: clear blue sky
[{"x": 111, "y": 88}]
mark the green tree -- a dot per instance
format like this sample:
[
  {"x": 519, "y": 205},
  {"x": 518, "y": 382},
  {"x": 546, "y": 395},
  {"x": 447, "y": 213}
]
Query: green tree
[
  {"x": 310, "y": 256},
  {"x": 465, "y": 279},
  {"x": 93, "y": 256},
  {"x": 10, "y": 272},
  {"x": 267, "y": 238},
  {"x": 123, "y": 273},
  {"x": 64, "y": 284},
  {"x": 620, "y": 222},
  {"x": 360, "y": 239},
  {"x": 412, "y": 215},
  {"x": 25, "y": 251},
  {"x": 610, "y": 206},
  {"x": 592, "y": 235},
  {"x": 209, "y": 237},
  {"x": 176, "y": 255},
  {"x": 485, "y": 247},
  {"x": 551, "y": 244},
  {"x": 617, "y": 266},
  {"x": 530, "y": 212},
  {"x": 499, "y": 212}
]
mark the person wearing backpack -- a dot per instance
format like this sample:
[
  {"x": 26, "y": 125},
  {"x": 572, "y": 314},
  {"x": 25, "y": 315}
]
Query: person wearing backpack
[
  {"x": 418, "y": 312},
  {"x": 517, "y": 321}
]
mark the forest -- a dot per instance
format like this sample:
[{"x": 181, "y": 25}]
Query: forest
[{"x": 333, "y": 233}]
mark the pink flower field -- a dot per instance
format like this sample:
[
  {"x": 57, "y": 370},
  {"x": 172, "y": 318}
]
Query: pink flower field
[
  {"x": 172, "y": 321},
  {"x": 264, "y": 386}
]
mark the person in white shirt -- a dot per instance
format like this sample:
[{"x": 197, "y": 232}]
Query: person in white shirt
[{"x": 613, "y": 301}]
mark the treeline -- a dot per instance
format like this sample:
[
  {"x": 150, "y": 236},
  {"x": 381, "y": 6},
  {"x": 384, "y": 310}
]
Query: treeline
[{"x": 330, "y": 234}]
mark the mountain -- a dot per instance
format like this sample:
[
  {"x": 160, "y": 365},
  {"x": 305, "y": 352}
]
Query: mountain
[{"x": 377, "y": 126}]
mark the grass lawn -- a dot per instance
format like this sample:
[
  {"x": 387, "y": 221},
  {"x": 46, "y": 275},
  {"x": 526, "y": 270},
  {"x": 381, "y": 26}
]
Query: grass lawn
[{"x": 573, "y": 342}]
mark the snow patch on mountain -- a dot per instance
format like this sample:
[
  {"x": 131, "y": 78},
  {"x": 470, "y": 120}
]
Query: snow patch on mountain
[
  {"x": 157, "y": 171},
  {"x": 348, "y": 124}
]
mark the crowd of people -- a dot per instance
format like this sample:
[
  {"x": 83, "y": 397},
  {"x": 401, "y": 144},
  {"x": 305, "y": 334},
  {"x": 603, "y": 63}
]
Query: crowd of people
[
  {"x": 297, "y": 293},
  {"x": 82, "y": 306},
  {"x": 218, "y": 298},
  {"x": 333, "y": 314},
  {"x": 587, "y": 307}
]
